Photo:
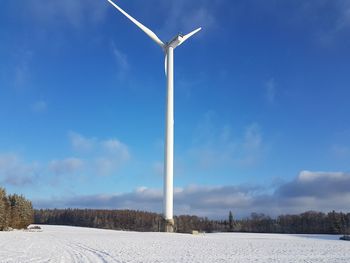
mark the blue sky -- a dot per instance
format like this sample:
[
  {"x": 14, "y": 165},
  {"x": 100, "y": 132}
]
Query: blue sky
[{"x": 261, "y": 105}]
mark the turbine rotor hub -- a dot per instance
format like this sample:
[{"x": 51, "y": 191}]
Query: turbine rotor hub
[{"x": 174, "y": 42}]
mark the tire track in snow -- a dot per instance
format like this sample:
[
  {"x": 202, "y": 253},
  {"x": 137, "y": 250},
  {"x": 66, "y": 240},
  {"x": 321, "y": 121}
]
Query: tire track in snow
[
  {"x": 78, "y": 252},
  {"x": 102, "y": 255}
]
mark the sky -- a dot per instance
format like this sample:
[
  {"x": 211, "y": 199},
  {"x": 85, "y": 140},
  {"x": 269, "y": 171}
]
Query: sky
[{"x": 261, "y": 105}]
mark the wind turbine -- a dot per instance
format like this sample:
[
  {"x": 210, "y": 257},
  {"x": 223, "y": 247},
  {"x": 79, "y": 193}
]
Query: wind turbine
[{"x": 168, "y": 48}]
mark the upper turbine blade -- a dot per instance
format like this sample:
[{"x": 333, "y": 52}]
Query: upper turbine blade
[
  {"x": 149, "y": 32},
  {"x": 185, "y": 37}
]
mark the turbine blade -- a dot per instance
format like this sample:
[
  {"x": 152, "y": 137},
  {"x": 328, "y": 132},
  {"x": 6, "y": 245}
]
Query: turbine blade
[
  {"x": 166, "y": 64},
  {"x": 145, "y": 29},
  {"x": 185, "y": 37}
]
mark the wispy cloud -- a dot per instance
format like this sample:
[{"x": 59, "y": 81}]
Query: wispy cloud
[
  {"x": 121, "y": 60},
  {"x": 22, "y": 68},
  {"x": 270, "y": 90},
  {"x": 331, "y": 20},
  {"x": 74, "y": 13},
  {"x": 252, "y": 145},
  {"x": 14, "y": 171},
  {"x": 113, "y": 156},
  {"x": 39, "y": 106},
  {"x": 343, "y": 19},
  {"x": 340, "y": 151},
  {"x": 66, "y": 166},
  {"x": 321, "y": 191},
  {"x": 185, "y": 16},
  {"x": 216, "y": 145},
  {"x": 158, "y": 168},
  {"x": 80, "y": 142},
  {"x": 116, "y": 147},
  {"x": 92, "y": 157},
  {"x": 340, "y": 148},
  {"x": 102, "y": 157}
]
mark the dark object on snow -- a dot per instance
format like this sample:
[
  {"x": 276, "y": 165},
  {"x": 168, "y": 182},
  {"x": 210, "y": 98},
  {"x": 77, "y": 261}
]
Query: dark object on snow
[{"x": 34, "y": 227}]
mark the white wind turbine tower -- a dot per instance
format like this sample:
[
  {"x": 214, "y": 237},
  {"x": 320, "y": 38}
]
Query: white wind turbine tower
[{"x": 168, "y": 49}]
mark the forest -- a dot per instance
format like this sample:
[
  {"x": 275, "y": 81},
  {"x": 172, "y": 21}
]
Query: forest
[
  {"x": 15, "y": 211},
  {"x": 121, "y": 220},
  {"x": 310, "y": 222}
]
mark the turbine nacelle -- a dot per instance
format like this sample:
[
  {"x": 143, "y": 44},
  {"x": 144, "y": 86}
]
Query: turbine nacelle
[
  {"x": 179, "y": 39},
  {"x": 176, "y": 41}
]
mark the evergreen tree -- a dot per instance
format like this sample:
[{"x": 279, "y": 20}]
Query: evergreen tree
[
  {"x": 15, "y": 211},
  {"x": 230, "y": 221},
  {"x": 21, "y": 211},
  {"x": 4, "y": 209}
]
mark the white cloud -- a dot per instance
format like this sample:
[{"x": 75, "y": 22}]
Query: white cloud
[
  {"x": 14, "y": 171},
  {"x": 81, "y": 143},
  {"x": 105, "y": 166},
  {"x": 94, "y": 157},
  {"x": 114, "y": 154},
  {"x": 317, "y": 185},
  {"x": 116, "y": 148},
  {"x": 103, "y": 157},
  {"x": 323, "y": 191},
  {"x": 66, "y": 166},
  {"x": 308, "y": 176}
]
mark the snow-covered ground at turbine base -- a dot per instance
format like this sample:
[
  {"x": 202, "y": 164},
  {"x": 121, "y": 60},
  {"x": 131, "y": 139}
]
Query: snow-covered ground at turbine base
[{"x": 75, "y": 244}]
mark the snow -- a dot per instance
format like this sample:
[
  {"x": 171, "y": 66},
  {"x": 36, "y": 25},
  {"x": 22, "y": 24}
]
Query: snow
[{"x": 74, "y": 244}]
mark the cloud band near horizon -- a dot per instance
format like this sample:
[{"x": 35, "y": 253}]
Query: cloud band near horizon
[{"x": 319, "y": 191}]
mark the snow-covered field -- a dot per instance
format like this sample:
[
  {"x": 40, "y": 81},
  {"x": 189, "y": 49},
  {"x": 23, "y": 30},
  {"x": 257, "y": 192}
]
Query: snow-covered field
[{"x": 74, "y": 244}]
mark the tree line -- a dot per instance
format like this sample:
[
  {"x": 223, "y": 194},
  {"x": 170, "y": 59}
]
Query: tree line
[
  {"x": 120, "y": 220},
  {"x": 310, "y": 222},
  {"x": 15, "y": 211}
]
